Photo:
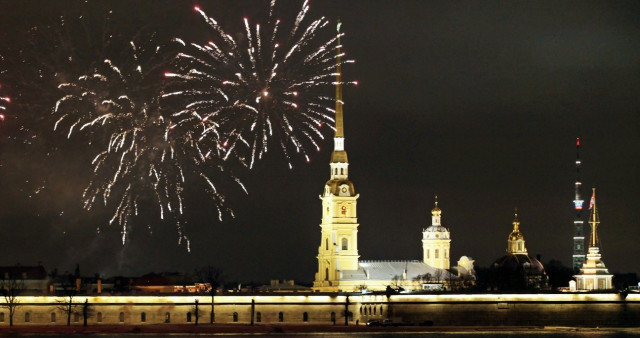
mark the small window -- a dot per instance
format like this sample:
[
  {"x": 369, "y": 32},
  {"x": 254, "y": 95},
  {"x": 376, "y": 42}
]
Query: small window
[
  {"x": 436, "y": 254},
  {"x": 345, "y": 244},
  {"x": 326, "y": 243},
  {"x": 143, "y": 317},
  {"x": 167, "y": 317},
  {"x": 121, "y": 317},
  {"x": 2, "y": 317},
  {"x": 428, "y": 253},
  {"x": 326, "y": 274},
  {"x": 76, "y": 317},
  {"x": 188, "y": 317},
  {"x": 53, "y": 317},
  {"x": 341, "y": 171},
  {"x": 333, "y": 317},
  {"x": 27, "y": 317},
  {"x": 361, "y": 310},
  {"x": 280, "y": 317},
  {"x": 305, "y": 317},
  {"x": 235, "y": 317},
  {"x": 374, "y": 310},
  {"x": 381, "y": 310},
  {"x": 99, "y": 317},
  {"x": 258, "y": 317},
  {"x": 446, "y": 253}
]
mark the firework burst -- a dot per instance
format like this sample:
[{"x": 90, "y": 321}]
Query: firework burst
[
  {"x": 145, "y": 154},
  {"x": 263, "y": 90}
]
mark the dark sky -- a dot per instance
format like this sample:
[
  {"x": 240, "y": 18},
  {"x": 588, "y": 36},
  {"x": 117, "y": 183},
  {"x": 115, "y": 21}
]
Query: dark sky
[{"x": 477, "y": 102}]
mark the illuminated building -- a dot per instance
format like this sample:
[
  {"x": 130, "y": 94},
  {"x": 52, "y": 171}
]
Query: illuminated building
[
  {"x": 339, "y": 264},
  {"x": 578, "y": 225},
  {"x": 593, "y": 274},
  {"x": 436, "y": 241},
  {"x": 517, "y": 270}
]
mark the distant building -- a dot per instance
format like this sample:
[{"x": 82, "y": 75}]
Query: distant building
[
  {"x": 516, "y": 270},
  {"x": 594, "y": 275},
  {"x": 29, "y": 278}
]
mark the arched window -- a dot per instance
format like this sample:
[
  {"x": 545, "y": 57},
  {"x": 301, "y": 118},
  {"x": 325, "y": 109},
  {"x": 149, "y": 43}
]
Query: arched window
[
  {"x": 99, "y": 317},
  {"x": 143, "y": 317},
  {"x": 53, "y": 317},
  {"x": 341, "y": 171},
  {"x": 121, "y": 317},
  {"x": 188, "y": 317},
  {"x": 235, "y": 317},
  {"x": 326, "y": 274},
  {"x": 27, "y": 317},
  {"x": 361, "y": 310},
  {"x": 305, "y": 317},
  {"x": 326, "y": 243},
  {"x": 167, "y": 317},
  {"x": 258, "y": 317},
  {"x": 436, "y": 254},
  {"x": 345, "y": 244},
  {"x": 280, "y": 317}
]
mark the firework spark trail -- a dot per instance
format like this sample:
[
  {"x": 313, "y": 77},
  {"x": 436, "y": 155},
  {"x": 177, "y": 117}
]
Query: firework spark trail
[
  {"x": 261, "y": 91},
  {"x": 149, "y": 150}
]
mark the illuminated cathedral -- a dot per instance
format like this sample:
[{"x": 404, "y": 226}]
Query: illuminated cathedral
[{"x": 339, "y": 264}]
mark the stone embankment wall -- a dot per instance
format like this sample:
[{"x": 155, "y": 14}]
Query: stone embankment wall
[{"x": 558, "y": 309}]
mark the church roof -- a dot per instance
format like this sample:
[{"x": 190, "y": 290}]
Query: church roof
[{"x": 388, "y": 270}]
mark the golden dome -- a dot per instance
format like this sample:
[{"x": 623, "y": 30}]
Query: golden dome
[{"x": 436, "y": 211}]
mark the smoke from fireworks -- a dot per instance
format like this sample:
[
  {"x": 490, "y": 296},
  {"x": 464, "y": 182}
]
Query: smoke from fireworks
[
  {"x": 150, "y": 155},
  {"x": 263, "y": 88}
]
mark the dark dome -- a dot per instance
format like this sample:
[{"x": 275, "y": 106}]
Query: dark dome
[{"x": 516, "y": 272}]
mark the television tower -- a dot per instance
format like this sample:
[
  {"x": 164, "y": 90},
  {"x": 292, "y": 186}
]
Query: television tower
[{"x": 578, "y": 224}]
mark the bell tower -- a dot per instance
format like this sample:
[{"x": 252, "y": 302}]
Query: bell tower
[
  {"x": 436, "y": 241},
  {"x": 338, "y": 248}
]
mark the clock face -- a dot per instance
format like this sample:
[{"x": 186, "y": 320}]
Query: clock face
[{"x": 344, "y": 189}]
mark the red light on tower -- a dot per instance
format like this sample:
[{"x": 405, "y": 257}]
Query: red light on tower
[{"x": 578, "y": 141}]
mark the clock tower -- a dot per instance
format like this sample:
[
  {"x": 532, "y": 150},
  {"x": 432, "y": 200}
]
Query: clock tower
[{"x": 338, "y": 248}]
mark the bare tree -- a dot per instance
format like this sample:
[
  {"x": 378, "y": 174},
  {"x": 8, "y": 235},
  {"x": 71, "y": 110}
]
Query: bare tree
[
  {"x": 212, "y": 276},
  {"x": 65, "y": 303},
  {"x": 11, "y": 287}
]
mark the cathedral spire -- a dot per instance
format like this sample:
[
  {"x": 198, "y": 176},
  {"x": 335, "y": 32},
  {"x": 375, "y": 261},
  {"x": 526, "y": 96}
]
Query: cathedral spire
[
  {"x": 339, "y": 113},
  {"x": 339, "y": 161}
]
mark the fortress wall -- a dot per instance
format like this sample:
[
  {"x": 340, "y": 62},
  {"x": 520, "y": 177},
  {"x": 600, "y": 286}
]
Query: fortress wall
[{"x": 564, "y": 309}]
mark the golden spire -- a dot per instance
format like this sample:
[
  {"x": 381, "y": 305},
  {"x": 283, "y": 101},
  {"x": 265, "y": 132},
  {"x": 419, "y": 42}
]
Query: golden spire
[
  {"x": 594, "y": 220},
  {"x": 339, "y": 117},
  {"x": 516, "y": 222},
  {"x": 339, "y": 155}
]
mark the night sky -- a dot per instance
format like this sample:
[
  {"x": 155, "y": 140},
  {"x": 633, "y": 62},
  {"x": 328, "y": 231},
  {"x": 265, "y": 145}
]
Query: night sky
[{"x": 479, "y": 103}]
